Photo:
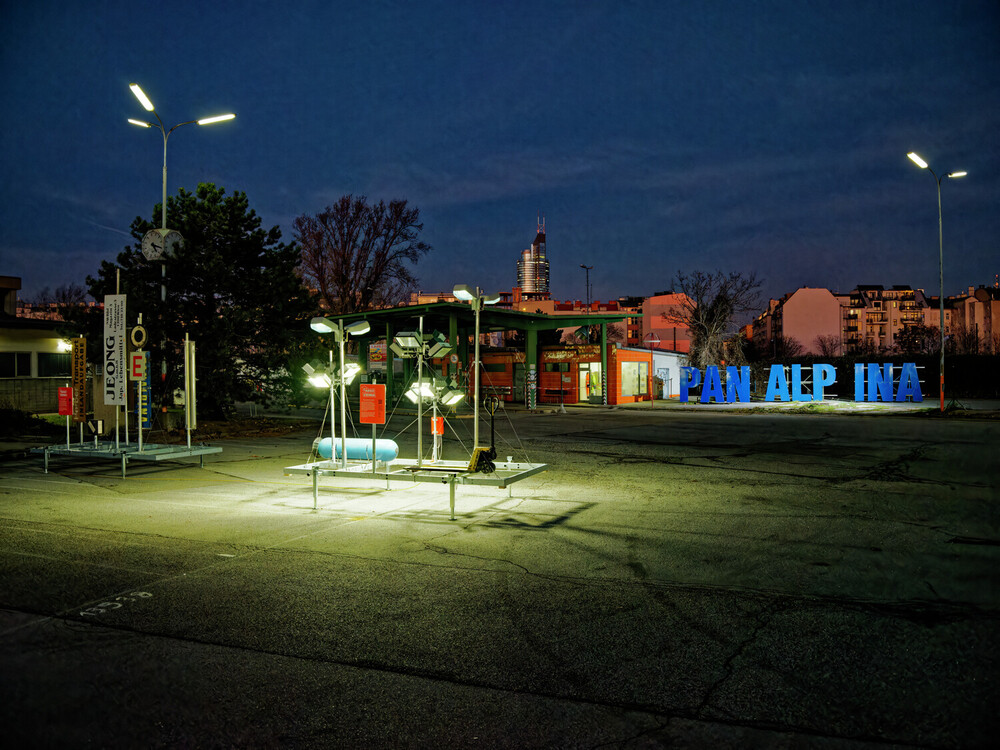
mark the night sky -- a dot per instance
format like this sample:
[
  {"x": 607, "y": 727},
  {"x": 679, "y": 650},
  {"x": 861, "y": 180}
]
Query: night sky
[{"x": 653, "y": 136}]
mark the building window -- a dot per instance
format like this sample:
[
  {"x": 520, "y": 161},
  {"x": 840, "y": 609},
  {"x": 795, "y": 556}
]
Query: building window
[
  {"x": 53, "y": 365},
  {"x": 634, "y": 378},
  {"x": 15, "y": 364},
  {"x": 557, "y": 367}
]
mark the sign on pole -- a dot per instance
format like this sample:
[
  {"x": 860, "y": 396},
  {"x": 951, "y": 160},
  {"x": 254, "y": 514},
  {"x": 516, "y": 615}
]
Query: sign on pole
[
  {"x": 190, "y": 387},
  {"x": 142, "y": 403},
  {"x": 114, "y": 349},
  {"x": 79, "y": 379},
  {"x": 66, "y": 403},
  {"x": 377, "y": 355},
  {"x": 137, "y": 366},
  {"x": 372, "y": 403}
]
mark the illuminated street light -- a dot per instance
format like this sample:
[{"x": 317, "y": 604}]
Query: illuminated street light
[
  {"x": 953, "y": 175},
  {"x": 148, "y": 106},
  {"x": 478, "y": 299}
]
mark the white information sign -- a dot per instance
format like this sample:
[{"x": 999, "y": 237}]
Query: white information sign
[{"x": 113, "y": 344}]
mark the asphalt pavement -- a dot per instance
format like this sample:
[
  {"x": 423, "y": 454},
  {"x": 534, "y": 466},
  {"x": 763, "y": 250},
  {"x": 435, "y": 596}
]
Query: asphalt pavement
[{"x": 676, "y": 578}]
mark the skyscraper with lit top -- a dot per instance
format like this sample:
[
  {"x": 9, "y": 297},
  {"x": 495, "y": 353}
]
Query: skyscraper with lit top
[{"x": 533, "y": 268}]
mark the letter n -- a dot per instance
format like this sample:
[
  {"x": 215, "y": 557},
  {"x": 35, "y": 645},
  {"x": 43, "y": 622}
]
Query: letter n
[
  {"x": 880, "y": 382},
  {"x": 737, "y": 384}
]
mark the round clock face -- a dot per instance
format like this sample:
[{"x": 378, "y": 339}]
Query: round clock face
[
  {"x": 158, "y": 243},
  {"x": 152, "y": 245},
  {"x": 172, "y": 242}
]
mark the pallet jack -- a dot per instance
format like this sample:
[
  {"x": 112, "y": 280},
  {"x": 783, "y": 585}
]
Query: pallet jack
[{"x": 483, "y": 459}]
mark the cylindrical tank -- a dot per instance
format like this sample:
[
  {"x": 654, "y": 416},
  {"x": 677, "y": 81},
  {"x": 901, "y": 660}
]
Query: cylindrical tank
[{"x": 359, "y": 449}]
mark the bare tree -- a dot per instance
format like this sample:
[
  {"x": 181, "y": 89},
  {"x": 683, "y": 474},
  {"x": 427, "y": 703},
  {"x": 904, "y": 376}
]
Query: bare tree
[
  {"x": 592, "y": 335},
  {"x": 967, "y": 340},
  {"x": 918, "y": 339},
  {"x": 711, "y": 302},
  {"x": 828, "y": 345},
  {"x": 786, "y": 346},
  {"x": 355, "y": 255}
]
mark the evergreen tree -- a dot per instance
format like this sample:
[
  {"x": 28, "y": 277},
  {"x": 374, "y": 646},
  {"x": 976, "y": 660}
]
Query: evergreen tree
[{"x": 231, "y": 286}]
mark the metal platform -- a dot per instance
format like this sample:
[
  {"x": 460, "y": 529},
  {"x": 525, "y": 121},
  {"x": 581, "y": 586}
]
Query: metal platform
[
  {"x": 451, "y": 473},
  {"x": 125, "y": 452}
]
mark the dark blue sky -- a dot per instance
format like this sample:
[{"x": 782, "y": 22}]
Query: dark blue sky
[{"x": 654, "y": 136}]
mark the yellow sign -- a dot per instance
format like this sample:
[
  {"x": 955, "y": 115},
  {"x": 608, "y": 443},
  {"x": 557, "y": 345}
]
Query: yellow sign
[{"x": 79, "y": 379}]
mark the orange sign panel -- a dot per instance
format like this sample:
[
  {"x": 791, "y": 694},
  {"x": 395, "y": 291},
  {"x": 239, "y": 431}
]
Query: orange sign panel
[{"x": 372, "y": 403}]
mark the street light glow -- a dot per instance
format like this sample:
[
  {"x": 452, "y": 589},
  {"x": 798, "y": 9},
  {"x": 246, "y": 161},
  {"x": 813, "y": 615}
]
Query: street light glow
[
  {"x": 140, "y": 123},
  {"x": 143, "y": 99},
  {"x": 217, "y": 118},
  {"x": 923, "y": 165}
]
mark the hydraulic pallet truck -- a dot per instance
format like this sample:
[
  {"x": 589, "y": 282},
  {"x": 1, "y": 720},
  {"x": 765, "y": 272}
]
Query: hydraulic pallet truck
[{"x": 483, "y": 459}]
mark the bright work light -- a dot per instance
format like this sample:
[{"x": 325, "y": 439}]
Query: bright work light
[
  {"x": 452, "y": 397},
  {"x": 351, "y": 370},
  {"x": 317, "y": 375}
]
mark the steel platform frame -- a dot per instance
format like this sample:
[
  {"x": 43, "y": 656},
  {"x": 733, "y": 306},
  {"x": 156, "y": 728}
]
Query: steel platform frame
[
  {"x": 452, "y": 473},
  {"x": 106, "y": 450}
]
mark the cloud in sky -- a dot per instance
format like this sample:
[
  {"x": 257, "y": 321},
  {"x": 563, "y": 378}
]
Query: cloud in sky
[{"x": 653, "y": 136}]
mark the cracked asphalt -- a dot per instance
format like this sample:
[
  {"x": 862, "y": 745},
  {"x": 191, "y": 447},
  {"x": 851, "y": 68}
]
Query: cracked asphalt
[{"x": 675, "y": 579}]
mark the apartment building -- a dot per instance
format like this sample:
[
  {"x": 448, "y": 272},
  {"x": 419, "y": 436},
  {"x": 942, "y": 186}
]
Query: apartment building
[
  {"x": 808, "y": 319},
  {"x": 658, "y": 330},
  {"x": 874, "y": 316},
  {"x": 971, "y": 320}
]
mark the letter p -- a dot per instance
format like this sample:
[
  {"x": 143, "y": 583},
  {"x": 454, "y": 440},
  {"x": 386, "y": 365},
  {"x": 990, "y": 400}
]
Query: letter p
[{"x": 690, "y": 378}]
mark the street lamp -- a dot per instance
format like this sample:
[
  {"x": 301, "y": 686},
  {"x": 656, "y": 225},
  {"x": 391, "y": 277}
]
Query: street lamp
[
  {"x": 340, "y": 332},
  {"x": 148, "y": 106},
  {"x": 478, "y": 298},
  {"x": 164, "y": 237},
  {"x": 952, "y": 175}
]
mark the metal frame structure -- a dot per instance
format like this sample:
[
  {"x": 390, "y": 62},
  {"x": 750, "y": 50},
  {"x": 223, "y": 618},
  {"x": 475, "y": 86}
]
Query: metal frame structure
[
  {"x": 126, "y": 453},
  {"x": 411, "y": 471}
]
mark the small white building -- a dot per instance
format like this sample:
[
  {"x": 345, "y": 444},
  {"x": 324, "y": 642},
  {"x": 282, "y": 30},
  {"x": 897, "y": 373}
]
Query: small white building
[
  {"x": 667, "y": 369},
  {"x": 34, "y": 359}
]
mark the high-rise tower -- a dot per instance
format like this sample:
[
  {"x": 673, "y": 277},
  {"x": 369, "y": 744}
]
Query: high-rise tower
[{"x": 533, "y": 268}]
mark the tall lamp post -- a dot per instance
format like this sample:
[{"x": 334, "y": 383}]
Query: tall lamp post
[
  {"x": 153, "y": 247},
  {"x": 952, "y": 175},
  {"x": 478, "y": 298},
  {"x": 148, "y": 106}
]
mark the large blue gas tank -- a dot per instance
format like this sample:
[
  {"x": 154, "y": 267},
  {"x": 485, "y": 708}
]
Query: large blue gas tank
[{"x": 360, "y": 449}]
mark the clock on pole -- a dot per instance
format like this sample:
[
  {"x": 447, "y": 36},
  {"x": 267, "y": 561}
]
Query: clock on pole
[{"x": 158, "y": 243}]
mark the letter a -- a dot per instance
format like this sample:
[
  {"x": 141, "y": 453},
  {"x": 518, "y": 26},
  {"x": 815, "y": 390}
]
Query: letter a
[
  {"x": 777, "y": 385},
  {"x": 713, "y": 386},
  {"x": 909, "y": 383}
]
